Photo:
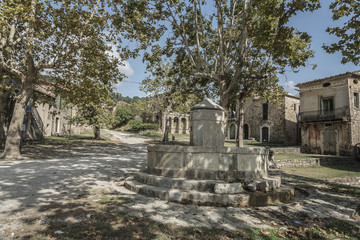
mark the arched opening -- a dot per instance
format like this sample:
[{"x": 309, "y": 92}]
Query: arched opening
[
  {"x": 176, "y": 124},
  {"x": 246, "y": 131},
  {"x": 183, "y": 125},
  {"x": 232, "y": 134},
  {"x": 265, "y": 134}
]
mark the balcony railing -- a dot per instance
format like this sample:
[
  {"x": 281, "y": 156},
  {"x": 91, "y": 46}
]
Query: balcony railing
[{"x": 319, "y": 115}]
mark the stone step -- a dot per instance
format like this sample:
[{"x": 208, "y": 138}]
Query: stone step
[
  {"x": 178, "y": 183},
  {"x": 212, "y": 199},
  {"x": 211, "y": 186}
]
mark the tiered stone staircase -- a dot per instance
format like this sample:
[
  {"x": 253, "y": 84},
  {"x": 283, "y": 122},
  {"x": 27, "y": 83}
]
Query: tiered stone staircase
[{"x": 255, "y": 192}]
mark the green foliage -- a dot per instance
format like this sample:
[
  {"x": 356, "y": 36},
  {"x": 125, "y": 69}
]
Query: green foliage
[
  {"x": 234, "y": 50},
  {"x": 74, "y": 42},
  {"x": 349, "y": 33},
  {"x": 118, "y": 97},
  {"x": 122, "y": 116},
  {"x": 138, "y": 125}
]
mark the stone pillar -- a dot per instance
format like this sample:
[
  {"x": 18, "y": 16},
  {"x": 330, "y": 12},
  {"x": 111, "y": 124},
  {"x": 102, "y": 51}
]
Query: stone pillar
[{"x": 207, "y": 124}]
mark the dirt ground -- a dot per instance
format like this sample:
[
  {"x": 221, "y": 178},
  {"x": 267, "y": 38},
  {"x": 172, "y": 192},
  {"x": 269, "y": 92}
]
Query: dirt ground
[{"x": 74, "y": 191}]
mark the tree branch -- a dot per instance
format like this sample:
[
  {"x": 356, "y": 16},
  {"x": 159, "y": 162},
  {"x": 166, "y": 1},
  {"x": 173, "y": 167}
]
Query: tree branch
[{"x": 221, "y": 35}]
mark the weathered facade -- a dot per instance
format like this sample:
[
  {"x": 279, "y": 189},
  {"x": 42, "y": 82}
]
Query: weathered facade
[
  {"x": 330, "y": 114},
  {"x": 270, "y": 122},
  {"x": 48, "y": 117},
  {"x": 178, "y": 123}
]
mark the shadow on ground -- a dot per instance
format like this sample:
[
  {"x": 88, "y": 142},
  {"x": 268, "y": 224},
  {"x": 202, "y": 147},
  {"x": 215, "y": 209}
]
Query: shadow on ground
[{"x": 46, "y": 196}]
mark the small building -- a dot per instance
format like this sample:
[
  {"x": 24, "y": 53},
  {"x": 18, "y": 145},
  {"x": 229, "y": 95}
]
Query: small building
[
  {"x": 178, "y": 123},
  {"x": 48, "y": 117},
  {"x": 269, "y": 122},
  {"x": 330, "y": 114}
]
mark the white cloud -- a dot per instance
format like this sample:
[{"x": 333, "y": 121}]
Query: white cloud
[
  {"x": 289, "y": 86},
  {"x": 125, "y": 67}
]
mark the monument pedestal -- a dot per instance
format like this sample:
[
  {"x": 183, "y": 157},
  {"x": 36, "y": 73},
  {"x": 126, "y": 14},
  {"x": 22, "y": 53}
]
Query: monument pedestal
[{"x": 207, "y": 173}]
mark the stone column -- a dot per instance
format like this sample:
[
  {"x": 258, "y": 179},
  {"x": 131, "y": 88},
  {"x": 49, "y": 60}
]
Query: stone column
[{"x": 207, "y": 124}]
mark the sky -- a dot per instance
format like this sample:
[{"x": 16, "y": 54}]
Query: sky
[{"x": 314, "y": 24}]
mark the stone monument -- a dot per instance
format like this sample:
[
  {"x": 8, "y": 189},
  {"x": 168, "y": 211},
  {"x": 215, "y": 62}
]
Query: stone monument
[{"x": 206, "y": 172}]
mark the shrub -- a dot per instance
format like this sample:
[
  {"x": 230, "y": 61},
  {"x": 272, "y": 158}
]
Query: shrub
[
  {"x": 122, "y": 116},
  {"x": 138, "y": 125}
]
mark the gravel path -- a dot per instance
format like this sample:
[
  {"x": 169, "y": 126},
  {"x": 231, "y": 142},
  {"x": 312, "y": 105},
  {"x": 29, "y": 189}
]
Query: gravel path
[{"x": 35, "y": 183}]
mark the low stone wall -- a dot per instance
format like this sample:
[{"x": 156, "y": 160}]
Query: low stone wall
[
  {"x": 308, "y": 162},
  {"x": 286, "y": 150},
  {"x": 194, "y": 162},
  {"x": 302, "y": 162}
]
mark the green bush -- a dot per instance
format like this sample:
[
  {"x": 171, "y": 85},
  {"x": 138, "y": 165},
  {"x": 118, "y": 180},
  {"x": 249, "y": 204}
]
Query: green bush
[
  {"x": 138, "y": 125},
  {"x": 122, "y": 115}
]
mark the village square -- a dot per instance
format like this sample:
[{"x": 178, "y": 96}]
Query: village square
[{"x": 179, "y": 119}]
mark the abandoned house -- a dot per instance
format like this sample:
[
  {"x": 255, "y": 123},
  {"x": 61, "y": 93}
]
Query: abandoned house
[
  {"x": 330, "y": 114},
  {"x": 47, "y": 117},
  {"x": 269, "y": 122},
  {"x": 178, "y": 123}
]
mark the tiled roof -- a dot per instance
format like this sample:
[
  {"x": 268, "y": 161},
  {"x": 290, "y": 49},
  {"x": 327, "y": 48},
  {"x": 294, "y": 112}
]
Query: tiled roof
[{"x": 353, "y": 74}]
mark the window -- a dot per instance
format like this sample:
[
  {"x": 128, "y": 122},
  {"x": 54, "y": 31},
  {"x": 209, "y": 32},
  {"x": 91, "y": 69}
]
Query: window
[
  {"x": 265, "y": 111},
  {"x": 356, "y": 100},
  {"x": 327, "y": 105}
]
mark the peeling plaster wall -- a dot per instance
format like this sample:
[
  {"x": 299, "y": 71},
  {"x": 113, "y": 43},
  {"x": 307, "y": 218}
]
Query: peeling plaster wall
[{"x": 330, "y": 136}]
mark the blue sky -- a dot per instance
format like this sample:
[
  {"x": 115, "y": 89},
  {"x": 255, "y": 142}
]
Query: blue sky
[{"x": 313, "y": 23}]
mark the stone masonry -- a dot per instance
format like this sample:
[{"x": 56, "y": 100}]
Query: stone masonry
[
  {"x": 330, "y": 114},
  {"x": 281, "y": 121}
]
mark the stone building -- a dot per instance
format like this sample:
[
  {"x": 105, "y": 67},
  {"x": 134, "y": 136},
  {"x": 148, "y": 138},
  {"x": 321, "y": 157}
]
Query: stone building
[
  {"x": 48, "y": 117},
  {"x": 330, "y": 114},
  {"x": 178, "y": 123},
  {"x": 269, "y": 122}
]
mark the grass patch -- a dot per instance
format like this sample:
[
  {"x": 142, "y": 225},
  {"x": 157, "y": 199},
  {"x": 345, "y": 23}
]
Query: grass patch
[
  {"x": 254, "y": 143},
  {"x": 152, "y": 134},
  {"x": 67, "y": 139},
  {"x": 325, "y": 172}
]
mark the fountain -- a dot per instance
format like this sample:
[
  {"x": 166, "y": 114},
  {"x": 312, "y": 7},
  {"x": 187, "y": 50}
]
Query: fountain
[{"x": 206, "y": 172}]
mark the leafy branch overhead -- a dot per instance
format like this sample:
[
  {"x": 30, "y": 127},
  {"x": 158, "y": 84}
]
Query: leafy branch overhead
[
  {"x": 72, "y": 42},
  {"x": 234, "y": 48},
  {"x": 349, "y": 33}
]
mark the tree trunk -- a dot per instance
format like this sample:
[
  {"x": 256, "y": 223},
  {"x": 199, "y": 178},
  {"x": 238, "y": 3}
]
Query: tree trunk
[
  {"x": 167, "y": 112},
  {"x": 3, "y": 104},
  {"x": 97, "y": 132},
  {"x": 166, "y": 132},
  {"x": 2, "y": 118},
  {"x": 240, "y": 123},
  {"x": 13, "y": 139}
]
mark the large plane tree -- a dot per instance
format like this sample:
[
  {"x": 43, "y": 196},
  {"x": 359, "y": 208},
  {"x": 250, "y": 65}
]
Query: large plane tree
[
  {"x": 68, "y": 40},
  {"x": 234, "y": 48}
]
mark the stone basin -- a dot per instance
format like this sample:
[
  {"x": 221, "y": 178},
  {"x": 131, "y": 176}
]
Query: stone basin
[{"x": 212, "y": 163}]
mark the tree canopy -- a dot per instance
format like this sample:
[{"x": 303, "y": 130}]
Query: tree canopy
[
  {"x": 233, "y": 49},
  {"x": 72, "y": 42},
  {"x": 349, "y": 33}
]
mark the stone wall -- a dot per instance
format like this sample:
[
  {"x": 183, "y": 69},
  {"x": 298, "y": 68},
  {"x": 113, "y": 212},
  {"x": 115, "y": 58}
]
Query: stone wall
[
  {"x": 282, "y": 120},
  {"x": 354, "y": 87},
  {"x": 314, "y": 137},
  {"x": 309, "y": 162},
  {"x": 337, "y": 132},
  {"x": 292, "y": 126},
  {"x": 301, "y": 162},
  {"x": 286, "y": 149},
  {"x": 178, "y": 123},
  {"x": 194, "y": 162}
]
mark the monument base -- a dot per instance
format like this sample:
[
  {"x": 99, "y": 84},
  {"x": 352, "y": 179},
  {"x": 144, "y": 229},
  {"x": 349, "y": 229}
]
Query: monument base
[
  {"x": 217, "y": 176},
  {"x": 256, "y": 193}
]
